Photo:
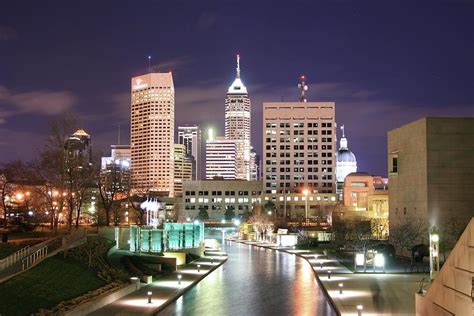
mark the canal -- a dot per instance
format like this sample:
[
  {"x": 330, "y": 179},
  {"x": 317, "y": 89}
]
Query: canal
[{"x": 254, "y": 281}]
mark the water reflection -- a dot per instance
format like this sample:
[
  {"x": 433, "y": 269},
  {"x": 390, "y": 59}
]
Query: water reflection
[{"x": 255, "y": 282}]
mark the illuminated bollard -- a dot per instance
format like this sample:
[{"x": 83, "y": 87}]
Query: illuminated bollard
[
  {"x": 329, "y": 274},
  {"x": 149, "y": 297},
  {"x": 359, "y": 310},
  {"x": 340, "y": 288},
  {"x": 179, "y": 279},
  {"x": 212, "y": 260},
  {"x": 321, "y": 265},
  {"x": 199, "y": 267}
]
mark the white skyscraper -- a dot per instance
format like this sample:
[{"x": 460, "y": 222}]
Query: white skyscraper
[
  {"x": 152, "y": 133},
  {"x": 237, "y": 124},
  {"x": 190, "y": 137},
  {"x": 220, "y": 158}
]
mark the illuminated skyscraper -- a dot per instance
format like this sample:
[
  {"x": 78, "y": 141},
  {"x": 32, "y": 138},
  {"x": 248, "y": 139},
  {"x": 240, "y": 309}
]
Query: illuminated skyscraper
[
  {"x": 237, "y": 124},
  {"x": 220, "y": 158},
  {"x": 190, "y": 137},
  {"x": 182, "y": 168},
  {"x": 152, "y": 133}
]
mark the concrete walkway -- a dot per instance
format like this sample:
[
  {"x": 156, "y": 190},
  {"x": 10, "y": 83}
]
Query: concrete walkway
[
  {"x": 378, "y": 293},
  {"x": 166, "y": 289}
]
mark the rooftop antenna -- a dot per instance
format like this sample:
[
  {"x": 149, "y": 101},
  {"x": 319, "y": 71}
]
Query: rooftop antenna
[
  {"x": 303, "y": 87},
  {"x": 118, "y": 135},
  {"x": 238, "y": 65},
  {"x": 149, "y": 64},
  {"x": 342, "y": 129}
]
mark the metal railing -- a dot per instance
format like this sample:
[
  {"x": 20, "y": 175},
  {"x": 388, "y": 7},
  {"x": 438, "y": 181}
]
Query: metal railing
[{"x": 14, "y": 258}]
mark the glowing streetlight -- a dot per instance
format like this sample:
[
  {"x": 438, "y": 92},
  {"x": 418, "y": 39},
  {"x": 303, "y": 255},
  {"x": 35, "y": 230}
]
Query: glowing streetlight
[
  {"x": 179, "y": 279},
  {"x": 149, "y": 297},
  {"x": 340, "y": 288},
  {"x": 359, "y": 310},
  {"x": 434, "y": 252},
  {"x": 19, "y": 196}
]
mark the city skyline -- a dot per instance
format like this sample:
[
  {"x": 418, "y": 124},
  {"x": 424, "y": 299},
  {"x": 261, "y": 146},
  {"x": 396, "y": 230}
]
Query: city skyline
[{"x": 366, "y": 86}]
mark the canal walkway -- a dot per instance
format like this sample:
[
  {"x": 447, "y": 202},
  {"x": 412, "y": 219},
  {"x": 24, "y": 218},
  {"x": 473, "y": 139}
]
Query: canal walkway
[
  {"x": 376, "y": 293},
  {"x": 165, "y": 289}
]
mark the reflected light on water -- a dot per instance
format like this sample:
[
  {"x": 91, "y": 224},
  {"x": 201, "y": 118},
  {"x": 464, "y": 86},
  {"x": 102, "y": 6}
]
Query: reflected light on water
[{"x": 303, "y": 285}]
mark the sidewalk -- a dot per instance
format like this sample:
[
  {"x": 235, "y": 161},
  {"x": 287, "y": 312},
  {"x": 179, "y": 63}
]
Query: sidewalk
[
  {"x": 378, "y": 293},
  {"x": 166, "y": 289}
]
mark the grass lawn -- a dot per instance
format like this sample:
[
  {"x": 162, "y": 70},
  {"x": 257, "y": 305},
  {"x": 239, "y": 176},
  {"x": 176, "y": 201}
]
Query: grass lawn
[{"x": 54, "y": 280}]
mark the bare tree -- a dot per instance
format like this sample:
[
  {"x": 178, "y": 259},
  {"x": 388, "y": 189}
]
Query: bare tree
[
  {"x": 407, "y": 232},
  {"x": 110, "y": 184}
]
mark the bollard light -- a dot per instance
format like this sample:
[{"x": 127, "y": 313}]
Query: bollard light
[
  {"x": 340, "y": 288},
  {"x": 199, "y": 267},
  {"x": 321, "y": 264},
  {"x": 149, "y": 297},
  {"x": 212, "y": 259},
  {"x": 359, "y": 310},
  {"x": 329, "y": 274},
  {"x": 179, "y": 278}
]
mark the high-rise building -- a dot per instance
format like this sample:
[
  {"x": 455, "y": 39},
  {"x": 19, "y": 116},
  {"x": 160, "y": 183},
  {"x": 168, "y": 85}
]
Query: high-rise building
[
  {"x": 254, "y": 165},
  {"x": 182, "y": 168},
  {"x": 237, "y": 124},
  {"x": 190, "y": 137},
  {"x": 430, "y": 169},
  {"x": 115, "y": 170},
  {"x": 152, "y": 133},
  {"x": 78, "y": 148},
  {"x": 299, "y": 142},
  {"x": 220, "y": 158}
]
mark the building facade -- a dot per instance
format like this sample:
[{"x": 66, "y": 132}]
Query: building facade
[
  {"x": 217, "y": 196},
  {"x": 152, "y": 133},
  {"x": 182, "y": 168},
  {"x": 221, "y": 158},
  {"x": 254, "y": 165},
  {"x": 237, "y": 124},
  {"x": 115, "y": 170},
  {"x": 190, "y": 137},
  {"x": 430, "y": 167},
  {"x": 78, "y": 147},
  {"x": 298, "y": 147}
]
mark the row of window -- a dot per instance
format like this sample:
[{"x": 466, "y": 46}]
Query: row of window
[{"x": 288, "y": 125}]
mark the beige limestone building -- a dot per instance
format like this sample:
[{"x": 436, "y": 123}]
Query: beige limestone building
[
  {"x": 431, "y": 171},
  {"x": 152, "y": 133},
  {"x": 299, "y": 144},
  {"x": 216, "y": 196},
  {"x": 183, "y": 168}
]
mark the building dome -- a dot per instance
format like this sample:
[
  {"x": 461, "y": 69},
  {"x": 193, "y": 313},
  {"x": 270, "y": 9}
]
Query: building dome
[
  {"x": 346, "y": 161},
  {"x": 345, "y": 155}
]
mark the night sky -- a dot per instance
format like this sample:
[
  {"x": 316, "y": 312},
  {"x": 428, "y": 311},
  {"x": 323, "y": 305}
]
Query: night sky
[{"x": 384, "y": 63}]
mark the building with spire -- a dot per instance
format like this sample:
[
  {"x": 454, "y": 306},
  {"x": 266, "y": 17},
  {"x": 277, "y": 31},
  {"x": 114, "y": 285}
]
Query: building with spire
[
  {"x": 237, "y": 123},
  {"x": 346, "y": 161}
]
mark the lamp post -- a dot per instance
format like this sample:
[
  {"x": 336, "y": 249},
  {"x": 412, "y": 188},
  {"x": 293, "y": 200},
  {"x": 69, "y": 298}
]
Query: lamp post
[
  {"x": 340, "y": 288},
  {"x": 305, "y": 192},
  {"x": 149, "y": 297},
  {"x": 179, "y": 279},
  {"x": 359, "y": 310},
  {"x": 434, "y": 252},
  {"x": 329, "y": 274},
  {"x": 199, "y": 267}
]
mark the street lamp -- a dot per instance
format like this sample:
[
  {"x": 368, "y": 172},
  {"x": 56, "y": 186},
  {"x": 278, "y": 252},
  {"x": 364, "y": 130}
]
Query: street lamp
[
  {"x": 179, "y": 279},
  {"x": 149, "y": 297},
  {"x": 306, "y": 192},
  {"x": 434, "y": 252},
  {"x": 340, "y": 288}
]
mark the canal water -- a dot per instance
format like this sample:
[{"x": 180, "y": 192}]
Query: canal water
[{"x": 254, "y": 281}]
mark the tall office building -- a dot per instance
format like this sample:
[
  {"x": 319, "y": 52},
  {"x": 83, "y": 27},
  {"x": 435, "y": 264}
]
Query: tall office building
[
  {"x": 152, "y": 133},
  {"x": 182, "y": 168},
  {"x": 190, "y": 137},
  {"x": 221, "y": 158},
  {"x": 78, "y": 148},
  {"x": 299, "y": 142},
  {"x": 115, "y": 170},
  {"x": 237, "y": 123}
]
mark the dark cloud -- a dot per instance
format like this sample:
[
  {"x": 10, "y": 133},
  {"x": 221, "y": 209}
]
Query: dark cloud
[
  {"x": 38, "y": 102},
  {"x": 7, "y": 33}
]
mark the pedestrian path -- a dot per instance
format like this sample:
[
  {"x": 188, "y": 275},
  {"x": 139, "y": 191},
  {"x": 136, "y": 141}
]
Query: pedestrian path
[
  {"x": 374, "y": 293},
  {"x": 165, "y": 289}
]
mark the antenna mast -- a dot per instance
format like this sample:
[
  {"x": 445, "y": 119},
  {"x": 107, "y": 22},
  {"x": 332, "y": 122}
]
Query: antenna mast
[
  {"x": 149, "y": 64},
  {"x": 303, "y": 87}
]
